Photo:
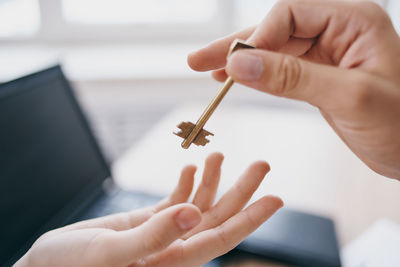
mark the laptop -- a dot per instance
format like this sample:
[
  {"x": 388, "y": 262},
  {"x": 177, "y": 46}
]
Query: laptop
[{"x": 52, "y": 171}]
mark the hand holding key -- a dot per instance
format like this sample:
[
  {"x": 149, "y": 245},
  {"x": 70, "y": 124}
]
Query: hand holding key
[
  {"x": 343, "y": 57},
  {"x": 194, "y": 133}
]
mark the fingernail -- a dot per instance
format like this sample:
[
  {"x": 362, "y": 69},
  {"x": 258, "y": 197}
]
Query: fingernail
[
  {"x": 187, "y": 219},
  {"x": 245, "y": 66}
]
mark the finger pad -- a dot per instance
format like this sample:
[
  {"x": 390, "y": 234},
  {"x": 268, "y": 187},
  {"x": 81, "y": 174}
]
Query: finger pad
[
  {"x": 216, "y": 157},
  {"x": 260, "y": 168},
  {"x": 219, "y": 75},
  {"x": 271, "y": 203}
]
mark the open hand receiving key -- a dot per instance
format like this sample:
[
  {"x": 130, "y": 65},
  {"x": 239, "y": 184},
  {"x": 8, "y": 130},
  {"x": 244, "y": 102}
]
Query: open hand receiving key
[{"x": 172, "y": 233}]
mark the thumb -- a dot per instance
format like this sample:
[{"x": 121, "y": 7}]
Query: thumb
[
  {"x": 166, "y": 226},
  {"x": 284, "y": 75}
]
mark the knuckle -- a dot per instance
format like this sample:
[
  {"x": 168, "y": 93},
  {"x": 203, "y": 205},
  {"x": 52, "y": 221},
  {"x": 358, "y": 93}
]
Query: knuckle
[
  {"x": 372, "y": 9},
  {"x": 288, "y": 77},
  {"x": 371, "y": 12},
  {"x": 250, "y": 220},
  {"x": 225, "y": 244}
]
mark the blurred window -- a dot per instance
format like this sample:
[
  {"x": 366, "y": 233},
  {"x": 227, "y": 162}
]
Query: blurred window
[
  {"x": 393, "y": 8},
  {"x": 138, "y": 11},
  {"x": 249, "y": 13},
  {"x": 123, "y": 20},
  {"x": 19, "y": 18}
]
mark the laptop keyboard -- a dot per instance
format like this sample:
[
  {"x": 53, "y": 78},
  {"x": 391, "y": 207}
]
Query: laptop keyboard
[{"x": 121, "y": 201}]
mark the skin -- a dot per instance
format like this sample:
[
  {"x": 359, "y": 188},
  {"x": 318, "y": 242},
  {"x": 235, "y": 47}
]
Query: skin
[
  {"x": 342, "y": 57},
  {"x": 172, "y": 233}
]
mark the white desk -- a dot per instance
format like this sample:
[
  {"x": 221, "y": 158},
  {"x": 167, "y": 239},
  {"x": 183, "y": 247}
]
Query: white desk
[{"x": 311, "y": 169}]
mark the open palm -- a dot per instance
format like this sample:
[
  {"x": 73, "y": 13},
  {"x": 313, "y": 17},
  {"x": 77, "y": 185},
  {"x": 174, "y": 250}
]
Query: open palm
[{"x": 171, "y": 233}]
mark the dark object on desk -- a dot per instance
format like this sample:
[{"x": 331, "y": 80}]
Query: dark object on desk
[
  {"x": 52, "y": 171},
  {"x": 296, "y": 238}
]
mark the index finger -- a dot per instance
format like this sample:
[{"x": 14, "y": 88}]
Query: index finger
[
  {"x": 300, "y": 19},
  {"x": 213, "y": 56},
  {"x": 290, "y": 27}
]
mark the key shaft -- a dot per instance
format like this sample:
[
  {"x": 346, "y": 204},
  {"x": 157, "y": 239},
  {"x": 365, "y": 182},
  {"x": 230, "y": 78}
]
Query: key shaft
[
  {"x": 198, "y": 128},
  {"x": 208, "y": 112}
]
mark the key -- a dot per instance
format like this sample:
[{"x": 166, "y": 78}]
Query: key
[{"x": 194, "y": 133}]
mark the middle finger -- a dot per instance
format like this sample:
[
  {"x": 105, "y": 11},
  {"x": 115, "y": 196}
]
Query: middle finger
[
  {"x": 235, "y": 199},
  {"x": 205, "y": 194}
]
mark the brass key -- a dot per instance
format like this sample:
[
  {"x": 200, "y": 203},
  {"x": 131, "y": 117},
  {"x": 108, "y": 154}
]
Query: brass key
[{"x": 194, "y": 133}]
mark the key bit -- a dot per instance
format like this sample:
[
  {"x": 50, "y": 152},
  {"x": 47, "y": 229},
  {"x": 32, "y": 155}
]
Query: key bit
[
  {"x": 194, "y": 133},
  {"x": 187, "y": 128}
]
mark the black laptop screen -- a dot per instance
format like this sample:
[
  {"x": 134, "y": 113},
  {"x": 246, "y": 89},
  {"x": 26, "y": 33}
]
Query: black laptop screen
[{"x": 47, "y": 155}]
